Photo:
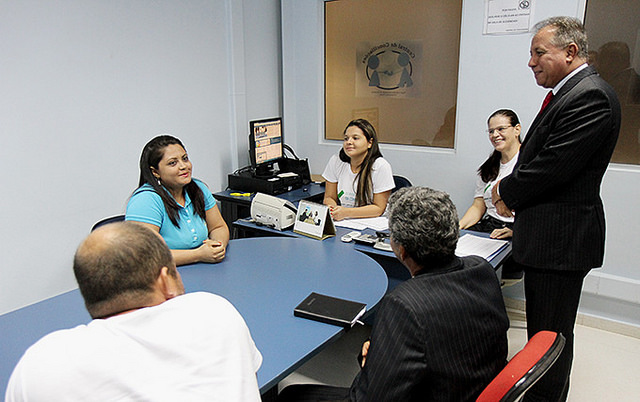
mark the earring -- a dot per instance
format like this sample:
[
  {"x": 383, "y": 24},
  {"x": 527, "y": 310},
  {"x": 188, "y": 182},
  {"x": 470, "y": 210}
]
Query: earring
[{"x": 159, "y": 182}]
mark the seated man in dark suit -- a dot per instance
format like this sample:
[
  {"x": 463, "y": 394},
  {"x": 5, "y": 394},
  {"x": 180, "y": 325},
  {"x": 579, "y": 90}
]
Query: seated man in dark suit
[
  {"x": 148, "y": 341},
  {"x": 441, "y": 335}
]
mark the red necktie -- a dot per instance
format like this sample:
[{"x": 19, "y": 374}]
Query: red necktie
[{"x": 546, "y": 101}]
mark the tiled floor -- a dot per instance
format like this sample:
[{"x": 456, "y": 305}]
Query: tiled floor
[{"x": 606, "y": 365}]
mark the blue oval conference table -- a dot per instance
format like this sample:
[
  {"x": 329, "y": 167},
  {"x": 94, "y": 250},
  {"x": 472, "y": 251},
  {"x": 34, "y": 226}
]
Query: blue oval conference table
[{"x": 264, "y": 278}]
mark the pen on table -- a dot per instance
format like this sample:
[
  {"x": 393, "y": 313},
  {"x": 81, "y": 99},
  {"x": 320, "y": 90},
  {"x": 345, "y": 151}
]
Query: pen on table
[{"x": 241, "y": 194}]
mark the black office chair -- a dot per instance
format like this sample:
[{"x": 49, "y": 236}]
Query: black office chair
[
  {"x": 117, "y": 218},
  {"x": 400, "y": 181}
]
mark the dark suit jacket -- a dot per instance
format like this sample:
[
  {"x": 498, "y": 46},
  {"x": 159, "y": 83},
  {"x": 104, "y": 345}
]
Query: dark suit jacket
[
  {"x": 441, "y": 336},
  {"x": 555, "y": 185}
]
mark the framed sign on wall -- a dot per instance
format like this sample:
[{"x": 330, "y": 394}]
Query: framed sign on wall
[{"x": 394, "y": 64}]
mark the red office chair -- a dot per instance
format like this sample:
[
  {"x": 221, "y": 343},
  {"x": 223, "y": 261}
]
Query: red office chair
[{"x": 525, "y": 368}]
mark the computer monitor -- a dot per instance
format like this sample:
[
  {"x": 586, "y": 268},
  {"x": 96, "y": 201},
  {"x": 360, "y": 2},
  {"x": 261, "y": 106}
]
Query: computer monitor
[{"x": 265, "y": 144}]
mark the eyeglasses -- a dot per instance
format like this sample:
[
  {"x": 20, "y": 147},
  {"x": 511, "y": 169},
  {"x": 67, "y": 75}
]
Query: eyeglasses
[{"x": 500, "y": 130}]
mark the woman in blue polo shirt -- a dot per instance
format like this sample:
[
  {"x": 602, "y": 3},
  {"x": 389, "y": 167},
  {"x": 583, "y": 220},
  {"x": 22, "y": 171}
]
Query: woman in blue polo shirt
[{"x": 179, "y": 207}]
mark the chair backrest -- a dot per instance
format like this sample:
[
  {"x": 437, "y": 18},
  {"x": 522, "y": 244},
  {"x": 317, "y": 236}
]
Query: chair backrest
[
  {"x": 525, "y": 368},
  {"x": 116, "y": 218},
  {"x": 400, "y": 181}
]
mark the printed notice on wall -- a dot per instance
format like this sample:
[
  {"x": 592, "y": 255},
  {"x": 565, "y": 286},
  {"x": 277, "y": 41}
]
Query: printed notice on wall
[{"x": 503, "y": 17}]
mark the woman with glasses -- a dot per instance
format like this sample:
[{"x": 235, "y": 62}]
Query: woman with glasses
[{"x": 504, "y": 134}]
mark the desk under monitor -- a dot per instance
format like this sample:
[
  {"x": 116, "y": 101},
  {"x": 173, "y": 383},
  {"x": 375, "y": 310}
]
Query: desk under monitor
[
  {"x": 264, "y": 278},
  {"x": 234, "y": 207}
]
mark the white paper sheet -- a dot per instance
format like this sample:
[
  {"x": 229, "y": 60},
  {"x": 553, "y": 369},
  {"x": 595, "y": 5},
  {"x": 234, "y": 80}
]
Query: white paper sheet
[
  {"x": 469, "y": 244},
  {"x": 380, "y": 223},
  {"x": 502, "y": 17}
]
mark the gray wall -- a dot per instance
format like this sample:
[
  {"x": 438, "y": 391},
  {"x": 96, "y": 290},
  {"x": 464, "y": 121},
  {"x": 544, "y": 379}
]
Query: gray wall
[
  {"x": 493, "y": 74},
  {"x": 86, "y": 83}
]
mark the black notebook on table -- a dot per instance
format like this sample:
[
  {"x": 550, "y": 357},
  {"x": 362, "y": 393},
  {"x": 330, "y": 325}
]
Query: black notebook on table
[{"x": 330, "y": 310}]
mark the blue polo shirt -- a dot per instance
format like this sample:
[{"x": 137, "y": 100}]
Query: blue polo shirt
[{"x": 145, "y": 205}]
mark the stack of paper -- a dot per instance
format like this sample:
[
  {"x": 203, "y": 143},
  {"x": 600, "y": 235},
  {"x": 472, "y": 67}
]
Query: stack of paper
[
  {"x": 380, "y": 223},
  {"x": 475, "y": 245}
]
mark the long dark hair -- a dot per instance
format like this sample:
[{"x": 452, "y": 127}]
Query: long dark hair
[
  {"x": 490, "y": 169},
  {"x": 152, "y": 154},
  {"x": 364, "y": 192}
]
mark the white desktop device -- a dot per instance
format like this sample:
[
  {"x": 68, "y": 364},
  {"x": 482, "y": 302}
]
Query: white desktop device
[
  {"x": 272, "y": 211},
  {"x": 350, "y": 236}
]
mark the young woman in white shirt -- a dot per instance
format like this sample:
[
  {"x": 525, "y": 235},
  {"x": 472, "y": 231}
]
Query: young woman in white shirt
[
  {"x": 504, "y": 134},
  {"x": 358, "y": 180}
]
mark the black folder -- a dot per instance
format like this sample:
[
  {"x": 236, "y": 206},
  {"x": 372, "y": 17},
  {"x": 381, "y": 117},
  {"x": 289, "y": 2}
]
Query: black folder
[{"x": 330, "y": 310}]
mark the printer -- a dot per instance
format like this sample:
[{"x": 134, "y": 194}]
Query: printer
[{"x": 272, "y": 211}]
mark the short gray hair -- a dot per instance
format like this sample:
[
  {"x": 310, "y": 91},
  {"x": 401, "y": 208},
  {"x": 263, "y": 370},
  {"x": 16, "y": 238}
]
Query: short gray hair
[
  {"x": 567, "y": 30},
  {"x": 425, "y": 223}
]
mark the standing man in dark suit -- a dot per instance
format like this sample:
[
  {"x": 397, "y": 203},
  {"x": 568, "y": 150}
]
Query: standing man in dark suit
[
  {"x": 439, "y": 336},
  {"x": 559, "y": 228}
]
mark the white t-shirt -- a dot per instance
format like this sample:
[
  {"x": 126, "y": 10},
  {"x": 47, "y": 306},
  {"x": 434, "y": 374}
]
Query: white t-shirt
[
  {"x": 194, "y": 347},
  {"x": 483, "y": 189},
  {"x": 340, "y": 172}
]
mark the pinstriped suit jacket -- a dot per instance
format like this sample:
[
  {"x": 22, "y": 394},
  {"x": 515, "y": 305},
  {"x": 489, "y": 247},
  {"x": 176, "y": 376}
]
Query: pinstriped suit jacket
[
  {"x": 555, "y": 185},
  {"x": 441, "y": 336}
]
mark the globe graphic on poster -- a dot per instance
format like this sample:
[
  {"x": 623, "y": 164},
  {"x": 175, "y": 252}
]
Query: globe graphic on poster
[{"x": 389, "y": 70}]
